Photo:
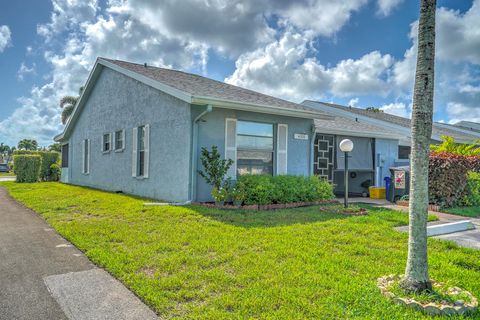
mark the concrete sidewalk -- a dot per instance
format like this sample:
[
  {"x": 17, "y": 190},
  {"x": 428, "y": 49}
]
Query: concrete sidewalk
[{"x": 42, "y": 276}]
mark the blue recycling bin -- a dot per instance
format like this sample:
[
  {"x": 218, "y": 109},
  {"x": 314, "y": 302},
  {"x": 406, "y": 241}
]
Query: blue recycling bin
[{"x": 387, "y": 180}]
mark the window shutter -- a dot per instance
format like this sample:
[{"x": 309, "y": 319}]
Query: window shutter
[
  {"x": 88, "y": 156},
  {"x": 134, "y": 151},
  {"x": 83, "y": 155},
  {"x": 282, "y": 143},
  {"x": 231, "y": 145},
  {"x": 112, "y": 136},
  {"x": 123, "y": 139},
  {"x": 147, "y": 151}
]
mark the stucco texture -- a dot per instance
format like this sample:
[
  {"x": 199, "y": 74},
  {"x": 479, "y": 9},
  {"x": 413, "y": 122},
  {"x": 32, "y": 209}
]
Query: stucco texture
[
  {"x": 211, "y": 131},
  {"x": 116, "y": 103}
]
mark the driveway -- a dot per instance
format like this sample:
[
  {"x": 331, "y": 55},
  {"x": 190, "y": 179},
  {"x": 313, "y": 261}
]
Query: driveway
[{"x": 42, "y": 276}]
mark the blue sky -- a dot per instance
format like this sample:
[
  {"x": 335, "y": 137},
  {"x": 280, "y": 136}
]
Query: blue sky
[{"x": 357, "y": 52}]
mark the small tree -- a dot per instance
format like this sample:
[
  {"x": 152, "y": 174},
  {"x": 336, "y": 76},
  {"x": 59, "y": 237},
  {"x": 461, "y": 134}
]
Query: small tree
[{"x": 214, "y": 168}]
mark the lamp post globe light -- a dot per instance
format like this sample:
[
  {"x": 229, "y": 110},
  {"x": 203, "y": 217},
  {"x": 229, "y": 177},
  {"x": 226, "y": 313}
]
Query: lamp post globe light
[{"x": 346, "y": 146}]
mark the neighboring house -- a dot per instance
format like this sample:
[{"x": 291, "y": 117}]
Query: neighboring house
[
  {"x": 470, "y": 125},
  {"x": 389, "y": 140},
  {"x": 139, "y": 129},
  {"x": 375, "y": 151}
]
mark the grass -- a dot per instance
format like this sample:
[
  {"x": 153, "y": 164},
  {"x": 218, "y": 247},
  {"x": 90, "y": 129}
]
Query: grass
[
  {"x": 199, "y": 263},
  {"x": 473, "y": 212},
  {"x": 7, "y": 174}
]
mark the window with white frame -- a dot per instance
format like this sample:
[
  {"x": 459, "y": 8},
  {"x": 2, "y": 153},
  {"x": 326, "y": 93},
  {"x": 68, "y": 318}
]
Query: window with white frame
[
  {"x": 107, "y": 142},
  {"x": 86, "y": 156},
  {"x": 140, "y": 151},
  {"x": 254, "y": 148},
  {"x": 119, "y": 140}
]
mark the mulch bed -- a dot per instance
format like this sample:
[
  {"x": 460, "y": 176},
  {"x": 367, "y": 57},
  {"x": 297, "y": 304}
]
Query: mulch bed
[{"x": 274, "y": 206}]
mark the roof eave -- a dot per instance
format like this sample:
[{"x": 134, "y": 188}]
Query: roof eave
[{"x": 230, "y": 104}]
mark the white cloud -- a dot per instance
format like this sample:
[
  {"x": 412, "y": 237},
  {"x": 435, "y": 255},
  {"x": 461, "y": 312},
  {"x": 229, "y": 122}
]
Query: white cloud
[
  {"x": 458, "y": 112},
  {"x": 25, "y": 70},
  {"x": 353, "y": 102},
  {"x": 285, "y": 68},
  {"x": 5, "y": 37},
  {"x": 385, "y": 7},
  {"x": 397, "y": 108}
]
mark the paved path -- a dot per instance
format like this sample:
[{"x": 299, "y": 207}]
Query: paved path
[
  {"x": 42, "y": 276},
  {"x": 7, "y": 178}
]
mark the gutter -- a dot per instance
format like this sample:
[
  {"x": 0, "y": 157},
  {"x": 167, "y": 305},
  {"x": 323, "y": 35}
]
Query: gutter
[{"x": 193, "y": 178}]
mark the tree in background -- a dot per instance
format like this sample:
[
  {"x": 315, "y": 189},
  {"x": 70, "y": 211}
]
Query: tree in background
[
  {"x": 27, "y": 144},
  {"x": 416, "y": 278},
  {"x": 6, "y": 152},
  {"x": 68, "y": 103},
  {"x": 57, "y": 147}
]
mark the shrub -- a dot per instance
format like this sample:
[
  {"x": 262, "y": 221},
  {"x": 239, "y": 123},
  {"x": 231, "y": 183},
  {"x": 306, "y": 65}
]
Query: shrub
[
  {"x": 55, "y": 172},
  {"x": 449, "y": 145},
  {"x": 214, "y": 168},
  {"x": 448, "y": 177},
  {"x": 472, "y": 197},
  {"x": 283, "y": 189},
  {"x": 48, "y": 158},
  {"x": 27, "y": 167}
]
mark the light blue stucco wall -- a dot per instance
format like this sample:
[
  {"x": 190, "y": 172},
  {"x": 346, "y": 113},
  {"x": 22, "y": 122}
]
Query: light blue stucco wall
[
  {"x": 119, "y": 102},
  {"x": 388, "y": 151},
  {"x": 211, "y": 131}
]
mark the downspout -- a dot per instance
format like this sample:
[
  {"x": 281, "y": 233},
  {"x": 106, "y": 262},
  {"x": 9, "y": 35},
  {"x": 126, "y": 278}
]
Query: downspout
[
  {"x": 312, "y": 146},
  {"x": 193, "y": 177}
]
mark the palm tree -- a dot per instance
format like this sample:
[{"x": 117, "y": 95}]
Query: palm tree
[
  {"x": 27, "y": 144},
  {"x": 416, "y": 278},
  {"x": 68, "y": 103}
]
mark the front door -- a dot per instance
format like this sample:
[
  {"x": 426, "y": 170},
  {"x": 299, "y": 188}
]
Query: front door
[{"x": 324, "y": 156}]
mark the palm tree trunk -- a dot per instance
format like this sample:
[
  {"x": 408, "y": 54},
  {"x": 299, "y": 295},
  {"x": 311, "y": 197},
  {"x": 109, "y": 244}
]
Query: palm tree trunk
[{"x": 416, "y": 274}]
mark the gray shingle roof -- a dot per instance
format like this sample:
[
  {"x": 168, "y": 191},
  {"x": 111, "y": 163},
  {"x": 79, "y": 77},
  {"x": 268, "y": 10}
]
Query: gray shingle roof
[
  {"x": 200, "y": 86},
  {"x": 438, "y": 128},
  {"x": 351, "y": 126}
]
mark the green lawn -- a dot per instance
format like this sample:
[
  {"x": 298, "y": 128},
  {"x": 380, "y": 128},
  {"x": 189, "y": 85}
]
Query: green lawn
[
  {"x": 7, "y": 174},
  {"x": 473, "y": 212},
  {"x": 198, "y": 263}
]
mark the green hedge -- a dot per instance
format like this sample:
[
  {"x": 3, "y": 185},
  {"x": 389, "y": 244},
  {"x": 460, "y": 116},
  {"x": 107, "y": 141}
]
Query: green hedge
[
  {"x": 472, "y": 198},
  {"x": 48, "y": 158},
  {"x": 27, "y": 167},
  {"x": 283, "y": 189}
]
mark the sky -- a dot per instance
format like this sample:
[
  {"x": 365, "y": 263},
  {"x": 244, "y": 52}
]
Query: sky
[{"x": 354, "y": 52}]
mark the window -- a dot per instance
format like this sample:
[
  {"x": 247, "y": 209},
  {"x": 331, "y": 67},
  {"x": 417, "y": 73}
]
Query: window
[
  {"x": 404, "y": 152},
  {"x": 254, "y": 148},
  {"x": 119, "y": 140},
  {"x": 65, "y": 156},
  {"x": 86, "y": 156},
  {"x": 140, "y": 151},
  {"x": 106, "y": 142}
]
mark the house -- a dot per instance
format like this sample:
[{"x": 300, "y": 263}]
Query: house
[
  {"x": 470, "y": 125},
  {"x": 139, "y": 129},
  {"x": 381, "y": 141}
]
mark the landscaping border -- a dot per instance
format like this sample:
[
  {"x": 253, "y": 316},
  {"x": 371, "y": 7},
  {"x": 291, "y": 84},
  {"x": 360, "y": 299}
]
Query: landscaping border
[
  {"x": 274, "y": 206},
  {"x": 460, "y": 308}
]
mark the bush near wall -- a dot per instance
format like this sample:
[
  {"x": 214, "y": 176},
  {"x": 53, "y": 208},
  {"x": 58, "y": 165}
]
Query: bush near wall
[
  {"x": 472, "y": 197},
  {"x": 283, "y": 189},
  {"x": 27, "y": 167},
  {"x": 448, "y": 177},
  {"x": 48, "y": 159}
]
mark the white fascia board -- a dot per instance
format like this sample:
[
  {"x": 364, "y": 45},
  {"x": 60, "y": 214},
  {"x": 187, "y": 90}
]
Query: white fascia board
[
  {"x": 149, "y": 81},
  {"x": 226, "y": 104}
]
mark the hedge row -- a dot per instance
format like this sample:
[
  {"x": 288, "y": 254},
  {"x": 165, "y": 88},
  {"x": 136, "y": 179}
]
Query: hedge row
[
  {"x": 265, "y": 190},
  {"x": 27, "y": 167},
  {"x": 448, "y": 175},
  {"x": 49, "y": 159}
]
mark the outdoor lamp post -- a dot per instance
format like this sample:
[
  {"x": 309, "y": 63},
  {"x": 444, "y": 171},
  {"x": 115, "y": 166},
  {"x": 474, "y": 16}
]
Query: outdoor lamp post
[{"x": 346, "y": 145}]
